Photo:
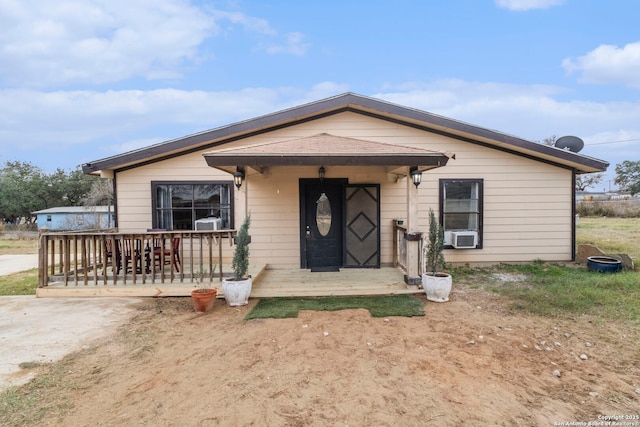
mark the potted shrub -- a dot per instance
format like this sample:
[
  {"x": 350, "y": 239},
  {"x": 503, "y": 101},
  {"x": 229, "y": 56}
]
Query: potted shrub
[
  {"x": 436, "y": 284},
  {"x": 203, "y": 297},
  {"x": 238, "y": 288}
]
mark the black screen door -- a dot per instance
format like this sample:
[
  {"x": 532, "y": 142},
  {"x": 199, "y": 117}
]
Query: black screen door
[{"x": 362, "y": 221}]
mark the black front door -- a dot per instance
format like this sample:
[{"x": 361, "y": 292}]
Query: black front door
[{"x": 321, "y": 223}]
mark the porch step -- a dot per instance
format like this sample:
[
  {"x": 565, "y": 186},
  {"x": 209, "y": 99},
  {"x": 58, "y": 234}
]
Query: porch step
[
  {"x": 348, "y": 281},
  {"x": 327, "y": 292}
]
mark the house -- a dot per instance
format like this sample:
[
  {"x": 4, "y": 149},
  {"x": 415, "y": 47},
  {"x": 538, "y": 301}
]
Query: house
[
  {"x": 327, "y": 182},
  {"x": 75, "y": 218}
]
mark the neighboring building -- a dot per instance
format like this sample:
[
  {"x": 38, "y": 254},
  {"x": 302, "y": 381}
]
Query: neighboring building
[
  {"x": 324, "y": 183},
  {"x": 66, "y": 218}
]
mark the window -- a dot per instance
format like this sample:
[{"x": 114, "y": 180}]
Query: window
[
  {"x": 177, "y": 205},
  {"x": 461, "y": 207}
]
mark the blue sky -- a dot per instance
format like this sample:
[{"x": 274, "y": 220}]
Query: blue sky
[{"x": 81, "y": 80}]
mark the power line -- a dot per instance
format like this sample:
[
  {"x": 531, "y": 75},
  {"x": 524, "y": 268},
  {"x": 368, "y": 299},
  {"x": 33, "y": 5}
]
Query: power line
[{"x": 613, "y": 142}]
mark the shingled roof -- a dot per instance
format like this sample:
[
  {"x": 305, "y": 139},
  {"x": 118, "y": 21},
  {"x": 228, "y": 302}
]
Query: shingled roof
[
  {"x": 328, "y": 150},
  {"x": 351, "y": 102}
]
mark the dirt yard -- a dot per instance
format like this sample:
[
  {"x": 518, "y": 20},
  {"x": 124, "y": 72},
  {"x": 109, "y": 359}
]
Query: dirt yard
[{"x": 470, "y": 361}]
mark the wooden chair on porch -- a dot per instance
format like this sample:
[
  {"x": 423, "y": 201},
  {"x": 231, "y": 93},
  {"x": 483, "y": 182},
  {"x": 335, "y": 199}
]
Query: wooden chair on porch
[
  {"x": 131, "y": 255},
  {"x": 112, "y": 255},
  {"x": 161, "y": 254}
]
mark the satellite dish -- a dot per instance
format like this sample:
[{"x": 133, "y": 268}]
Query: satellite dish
[{"x": 571, "y": 143}]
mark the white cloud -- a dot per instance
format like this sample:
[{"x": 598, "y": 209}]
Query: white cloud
[
  {"x": 250, "y": 23},
  {"x": 38, "y": 119},
  {"x": 504, "y": 107},
  {"x": 532, "y": 113},
  {"x": 293, "y": 44},
  {"x": 523, "y": 5},
  {"x": 131, "y": 145},
  {"x": 289, "y": 43},
  {"x": 46, "y": 44},
  {"x": 624, "y": 142},
  {"x": 86, "y": 42},
  {"x": 608, "y": 64}
]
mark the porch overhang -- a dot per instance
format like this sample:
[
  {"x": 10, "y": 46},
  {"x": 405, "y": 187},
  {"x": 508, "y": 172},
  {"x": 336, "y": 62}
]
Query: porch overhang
[{"x": 326, "y": 150}]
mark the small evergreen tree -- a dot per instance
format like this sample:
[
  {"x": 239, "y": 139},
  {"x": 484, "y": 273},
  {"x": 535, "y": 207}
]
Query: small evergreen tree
[
  {"x": 240, "y": 263},
  {"x": 434, "y": 258}
]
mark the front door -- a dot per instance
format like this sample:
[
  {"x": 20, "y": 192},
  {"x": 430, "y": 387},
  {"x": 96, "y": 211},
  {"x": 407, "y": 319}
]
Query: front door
[{"x": 321, "y": 223}]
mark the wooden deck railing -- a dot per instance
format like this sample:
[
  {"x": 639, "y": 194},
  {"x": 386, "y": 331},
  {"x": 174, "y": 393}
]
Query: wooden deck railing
[
  {"x": 400, "y": 248},
  {"x": 113, "y": 258}
]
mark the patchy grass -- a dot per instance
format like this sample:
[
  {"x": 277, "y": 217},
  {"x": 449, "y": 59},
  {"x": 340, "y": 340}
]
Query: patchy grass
[
  {"x": 22, "y": 283},
  {"x": 51, "y": 394},
  {"x": 547, "y": 289},
  {"x": 18, "y": 246},
  {"x": 611, "y": 235},
  {"x": 553, "y": 290},
  {"x": 48, "y": 394},
  {"x": 29, "y": 365},
  {"x": 378, "y": 306}
]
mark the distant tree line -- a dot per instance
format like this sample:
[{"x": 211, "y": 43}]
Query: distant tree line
[
  {"x": 25, "y": 188},
  {"x": 628, "y": 176}
]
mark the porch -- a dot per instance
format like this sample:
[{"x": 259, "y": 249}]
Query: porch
[
  {"x": 131, "y": 264},
  {"x": 81, "y": 265},
  {"x": 267, "y": 283}
]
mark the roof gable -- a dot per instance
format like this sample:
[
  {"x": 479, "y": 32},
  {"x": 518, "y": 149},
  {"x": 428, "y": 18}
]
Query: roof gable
[{"x": 355, "y": 103}]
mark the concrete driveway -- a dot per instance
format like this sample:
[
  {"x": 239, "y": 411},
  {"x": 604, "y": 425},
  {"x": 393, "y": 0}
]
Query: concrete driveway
[
  {"x": 10, "y": 264},
  {"x": 44, "y": 330}
]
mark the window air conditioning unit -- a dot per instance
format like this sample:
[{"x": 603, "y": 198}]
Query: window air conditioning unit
[
  {"x": 208, "y": 224},
  {"x": 464, "y": 239}
]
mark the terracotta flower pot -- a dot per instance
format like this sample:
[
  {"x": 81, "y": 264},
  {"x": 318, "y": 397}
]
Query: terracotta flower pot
[{"x": 203, "y": 299}]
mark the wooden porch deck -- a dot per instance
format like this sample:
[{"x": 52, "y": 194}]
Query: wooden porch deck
[
  {"x": 348, "y": 281},
  {"x": 267, "y": 283}
]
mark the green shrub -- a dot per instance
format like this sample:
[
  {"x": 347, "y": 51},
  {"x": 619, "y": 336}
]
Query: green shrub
[
  {"x": 240, "y": 263},
  {"x": 609, "y": 208}
]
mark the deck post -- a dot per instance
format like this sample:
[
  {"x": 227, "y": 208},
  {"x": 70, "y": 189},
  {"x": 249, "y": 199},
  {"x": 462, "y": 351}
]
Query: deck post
[{"x": 412, "y": 236}]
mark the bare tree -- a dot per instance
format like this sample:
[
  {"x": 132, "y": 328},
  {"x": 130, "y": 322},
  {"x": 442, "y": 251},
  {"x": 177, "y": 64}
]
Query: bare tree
[
  {"x": 551, "y": 140},
  {"x": 100, "y": 194},
  {"x": 588, "y": 180}
]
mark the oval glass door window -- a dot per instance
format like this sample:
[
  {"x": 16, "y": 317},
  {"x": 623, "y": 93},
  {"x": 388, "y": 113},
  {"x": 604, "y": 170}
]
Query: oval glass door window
[{"x": 323, "y": 215}]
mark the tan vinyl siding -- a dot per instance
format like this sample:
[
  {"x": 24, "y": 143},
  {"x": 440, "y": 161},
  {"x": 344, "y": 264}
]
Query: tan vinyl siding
[
  {"x": 134, "y": 186},
  {"x": 527, "y": 203},
  {"x": 275, "y": 211},
  {"x": 273, "y": 204}
]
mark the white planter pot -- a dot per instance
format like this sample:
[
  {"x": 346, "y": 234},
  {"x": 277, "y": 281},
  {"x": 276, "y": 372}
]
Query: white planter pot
[
  {"x": 236, "y": 292},
  {"x": 437, "y": 287}
]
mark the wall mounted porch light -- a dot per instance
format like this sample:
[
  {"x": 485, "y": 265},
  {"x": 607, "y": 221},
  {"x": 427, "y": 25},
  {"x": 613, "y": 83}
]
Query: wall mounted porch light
[
  {"x": 416, "y": 175},
  {"x": 321, "y": 173},
  {"x": 238, "y": 176}
]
